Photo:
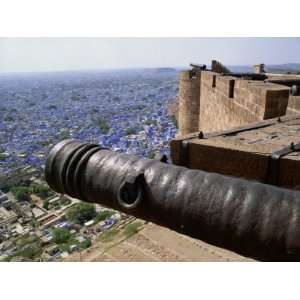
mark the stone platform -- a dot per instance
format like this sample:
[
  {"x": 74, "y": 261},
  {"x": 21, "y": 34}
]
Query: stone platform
[{"x": 245, "y": 151}]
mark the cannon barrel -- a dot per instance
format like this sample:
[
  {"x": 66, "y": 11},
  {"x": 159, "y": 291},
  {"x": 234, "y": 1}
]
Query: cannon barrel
[
  {"x": 256, "y": 220},
  {"x": 249, "y": 76}
]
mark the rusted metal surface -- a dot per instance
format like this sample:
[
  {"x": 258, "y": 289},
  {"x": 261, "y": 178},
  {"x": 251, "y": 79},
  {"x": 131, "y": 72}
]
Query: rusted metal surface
[{"x": 253, "y": 219}]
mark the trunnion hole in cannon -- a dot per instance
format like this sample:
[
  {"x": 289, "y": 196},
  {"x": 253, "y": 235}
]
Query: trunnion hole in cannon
[{"x": 130, "y": 193}]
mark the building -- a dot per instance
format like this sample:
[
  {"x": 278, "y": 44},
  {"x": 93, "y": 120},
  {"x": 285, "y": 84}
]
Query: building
[
  {"x": 14, "y": 177},
  {"x": 3, "y": 197},
  {"x": 7, "y": 216}
]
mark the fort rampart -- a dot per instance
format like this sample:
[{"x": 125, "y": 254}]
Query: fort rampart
[{"x": 211, "y": 101}]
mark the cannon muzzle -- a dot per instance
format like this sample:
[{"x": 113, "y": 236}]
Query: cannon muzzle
[{"x": 256, "y": 220}]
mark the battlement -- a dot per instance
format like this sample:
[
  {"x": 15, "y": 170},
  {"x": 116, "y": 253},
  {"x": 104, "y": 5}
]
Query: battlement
[
  {"x": 235, "y": 102},
  {"x": 213, "y": 100}
]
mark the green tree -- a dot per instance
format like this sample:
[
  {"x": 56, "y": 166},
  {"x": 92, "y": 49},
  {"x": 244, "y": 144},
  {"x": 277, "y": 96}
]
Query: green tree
[
  {"x": 61, "y": 235},
  {"x": 30, "y": 251},
  {"x": 103, "y": 215},
  {"x": 22, "y": 193},
  {"x": 46, "y": 204},
  {"x": 41, "y": 190},
  {"x": 86, "y": 244},
  {"x": 65, "y": 134},
  {"x": 174, "y": 121},
  {"x": 102, "y": 124},
  {"x": 81, "y": 213},
  {"x": 9, "y": 118},
  {"x": 130, "y": 131},
  {"x": 151, "y": 155},
  {"x": 52, "y": 106},
  {"x": 150, "y": 122}
]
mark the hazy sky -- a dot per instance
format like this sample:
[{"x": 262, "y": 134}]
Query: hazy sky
[{"x": 47, "y": 54}]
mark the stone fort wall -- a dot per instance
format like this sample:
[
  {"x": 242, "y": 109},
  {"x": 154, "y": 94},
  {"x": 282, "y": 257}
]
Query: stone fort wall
[
  {"x": 210, "y": 101},
  {"x": 227, "y": 102},
  {"x": 293, "y": 105}
]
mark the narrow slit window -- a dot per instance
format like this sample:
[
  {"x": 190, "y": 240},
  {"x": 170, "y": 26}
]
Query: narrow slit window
[
  {"x": 214, "y": 81},
  {"x": 231, "y": 88}
]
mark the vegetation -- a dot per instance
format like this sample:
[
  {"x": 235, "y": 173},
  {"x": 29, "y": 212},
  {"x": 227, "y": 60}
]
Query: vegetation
[
  {"x": 25, "y": 240},
  {"x": 2, "y": 157},
  {"x": 75, "y": 97},
  {"x": 94, "y": 110},
  {"x": 22, "y": 193},
  {"x": 41, "y": 190},
  {"x": 85, "y": 244},
  {"x": 139, "y": 107},
  {"x": 151, "y": 155},
  {"x": 72, "y": 241},
  {"x": 45, "y": 143},
  {"x": 46, "y": 204},
  {"x": 65, "y": 134},
  {"x": 66, "y": 246},
  {"x": 9, "y": 118},
  {"x": 81, "y": 213},
  {"x": 130, "y": 131},
  {"x": 108, "y": 236},
  {"x": 61, "y": 235},
  {"x": 103, "y": 215},
  {"x": 52, "y": 106},
  {"x": 150, "y": 122},
  {"x": 102, "y": 124},
  {"x": 64, "y": 201},
  {"x": 174, "y": 121},
  {"x": 132, "y": 228},
  {"x": 31, "y": 251},
  {"x": 27, "y": 246}
]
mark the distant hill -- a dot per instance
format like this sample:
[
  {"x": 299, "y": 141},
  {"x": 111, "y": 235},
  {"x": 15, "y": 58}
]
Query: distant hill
[
  {"x": 160, "y": 70},
  {"x": 282, "y": 68}
]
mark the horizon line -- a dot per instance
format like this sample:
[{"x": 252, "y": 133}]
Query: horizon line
[{"x": 127, "y": 68}]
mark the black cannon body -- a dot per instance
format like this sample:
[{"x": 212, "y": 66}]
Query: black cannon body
[{"x": 256, "y": 220}]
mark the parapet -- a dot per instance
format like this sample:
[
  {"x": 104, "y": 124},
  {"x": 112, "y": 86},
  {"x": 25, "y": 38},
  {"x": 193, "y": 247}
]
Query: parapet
[
  {"x": 293, "y": 106},
  {"x": 217, "y": 99},
  {"x": 227, "y": 101},
  {"x": 218, "y": 67},
  {"x": 264, "y": 151}
]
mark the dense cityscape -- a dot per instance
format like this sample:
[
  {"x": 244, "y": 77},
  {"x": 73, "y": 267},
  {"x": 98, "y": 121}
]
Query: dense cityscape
[{"x": 125, "y": 111}]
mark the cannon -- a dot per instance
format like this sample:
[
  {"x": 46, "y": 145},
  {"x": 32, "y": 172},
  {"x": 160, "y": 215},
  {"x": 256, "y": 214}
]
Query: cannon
[
  {"x": 248, "y": 76},
  {"x": 254, "y": 219}
]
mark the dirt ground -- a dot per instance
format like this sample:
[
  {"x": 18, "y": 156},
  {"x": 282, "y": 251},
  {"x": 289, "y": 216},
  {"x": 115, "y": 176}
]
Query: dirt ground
[{"x": 155, "y": 243}]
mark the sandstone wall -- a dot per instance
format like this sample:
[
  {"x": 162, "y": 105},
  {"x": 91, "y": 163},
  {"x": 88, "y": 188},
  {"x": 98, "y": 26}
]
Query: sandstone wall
[
  {"x": 293, "y": 105},
  {"x": 227, "y": 102},
  {"x": 189, "y": 102},
  {"x": 217, "y": 67}
]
